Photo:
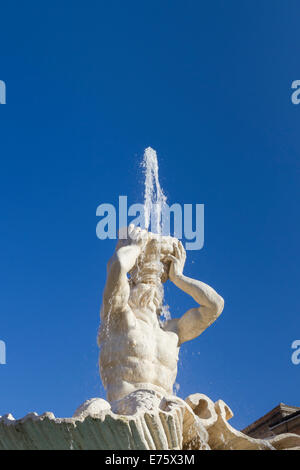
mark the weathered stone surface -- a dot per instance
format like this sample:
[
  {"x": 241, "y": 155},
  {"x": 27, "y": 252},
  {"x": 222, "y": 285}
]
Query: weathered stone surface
[
  {"x": 222, "y": 436},
  {"x": 153, "y": 423},
  {"x": 149, "y": 422}
]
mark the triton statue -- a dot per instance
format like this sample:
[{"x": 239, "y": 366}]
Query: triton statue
[
  {"x": 138, "y": 351},
  {"x": 138, "y": 366}
]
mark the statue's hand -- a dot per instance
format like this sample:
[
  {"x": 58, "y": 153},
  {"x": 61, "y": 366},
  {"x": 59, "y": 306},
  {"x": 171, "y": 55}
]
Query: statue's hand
[{"x": 177, "y": 261}]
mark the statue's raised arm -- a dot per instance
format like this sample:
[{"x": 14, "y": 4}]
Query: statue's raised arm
[
  {"x": 117, "y": 290},
  {"x": 211, "y": 304}
]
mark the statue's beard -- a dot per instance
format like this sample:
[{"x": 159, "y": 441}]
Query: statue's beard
[
  {"x": 146, "y": 278},
  {"x": 146, "y": 296}
]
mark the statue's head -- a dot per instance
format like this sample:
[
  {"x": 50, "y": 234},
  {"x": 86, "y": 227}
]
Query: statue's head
[{"x": 150, "y": 272}]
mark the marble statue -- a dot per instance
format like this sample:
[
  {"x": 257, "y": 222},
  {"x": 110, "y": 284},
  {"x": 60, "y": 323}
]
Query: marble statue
[
  {"x": 138, "y": 351},
  {"x": 138, "y": 367}
]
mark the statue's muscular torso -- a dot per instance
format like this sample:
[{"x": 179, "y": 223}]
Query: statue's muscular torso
[{"x": 136, "y": 353}]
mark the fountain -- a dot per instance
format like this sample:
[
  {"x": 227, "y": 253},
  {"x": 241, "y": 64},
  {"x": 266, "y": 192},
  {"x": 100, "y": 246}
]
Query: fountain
[
  {"x": 154, "y": 198},
  {"x": 138, "y": 357}
]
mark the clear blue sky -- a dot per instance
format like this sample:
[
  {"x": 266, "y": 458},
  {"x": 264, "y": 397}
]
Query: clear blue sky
[{"x": 89, "y": 86}]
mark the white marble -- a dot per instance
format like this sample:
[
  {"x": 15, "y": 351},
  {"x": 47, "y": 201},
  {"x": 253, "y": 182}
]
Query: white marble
[
  {"x": 143, "y": 420},
  {"x": 137, "y": 350},
  {"x": 138, "y": 366}
]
